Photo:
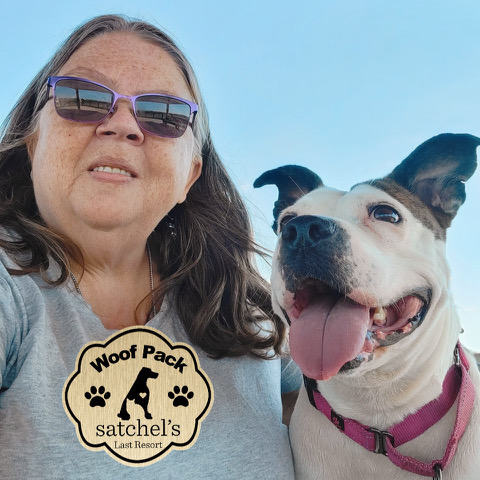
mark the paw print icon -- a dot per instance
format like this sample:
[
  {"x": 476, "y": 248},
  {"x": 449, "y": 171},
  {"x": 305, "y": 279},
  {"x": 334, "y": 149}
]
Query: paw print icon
[
  {"x": 97, "y": 397},
  {"x": 180, "y": 397}
]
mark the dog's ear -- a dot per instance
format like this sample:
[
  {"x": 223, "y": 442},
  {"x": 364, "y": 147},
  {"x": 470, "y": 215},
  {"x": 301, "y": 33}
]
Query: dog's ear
[
  {"x": 437, "y": 170},
  {"x": 292, "y": 181}
]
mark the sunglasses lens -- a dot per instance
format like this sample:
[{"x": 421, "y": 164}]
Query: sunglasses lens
[
  {"x": 163, "y": 116},
  {"x": 85, "y": 101},
  {"x": 82, "y": 101}
]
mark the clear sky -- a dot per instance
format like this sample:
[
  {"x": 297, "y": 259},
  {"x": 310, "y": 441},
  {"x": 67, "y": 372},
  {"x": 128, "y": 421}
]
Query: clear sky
[{"x": 347, "y": 88}]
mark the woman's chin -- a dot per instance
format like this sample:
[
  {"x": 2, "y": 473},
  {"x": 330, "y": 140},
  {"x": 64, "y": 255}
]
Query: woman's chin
[{"x": 107, "y": 217}]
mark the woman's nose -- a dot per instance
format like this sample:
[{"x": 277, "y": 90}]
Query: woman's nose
[{"x": 122, "y": 123}]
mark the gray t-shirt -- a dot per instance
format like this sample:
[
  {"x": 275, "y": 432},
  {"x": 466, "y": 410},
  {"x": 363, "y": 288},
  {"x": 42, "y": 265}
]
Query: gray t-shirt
[{"x": 43, "y": 329}]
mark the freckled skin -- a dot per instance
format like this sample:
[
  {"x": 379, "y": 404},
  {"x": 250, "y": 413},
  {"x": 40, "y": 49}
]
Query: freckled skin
[{"x": 69, "y": 199}]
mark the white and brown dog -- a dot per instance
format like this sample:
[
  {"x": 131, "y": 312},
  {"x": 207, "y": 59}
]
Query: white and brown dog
[{"x": 362, "y": 279}]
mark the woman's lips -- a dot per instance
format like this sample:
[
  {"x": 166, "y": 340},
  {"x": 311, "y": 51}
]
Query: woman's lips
[
  {"x": 116, "y": 170},
  {"x": 112, "y": 170}
]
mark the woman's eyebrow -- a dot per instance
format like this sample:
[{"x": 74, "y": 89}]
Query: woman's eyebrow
[
  {"x": 90, "y": 74},
  {"x": 99, "y": 77}
]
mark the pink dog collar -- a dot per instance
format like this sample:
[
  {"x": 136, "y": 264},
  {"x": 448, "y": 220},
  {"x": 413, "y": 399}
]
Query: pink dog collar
[{"x": 457, "y": 382}]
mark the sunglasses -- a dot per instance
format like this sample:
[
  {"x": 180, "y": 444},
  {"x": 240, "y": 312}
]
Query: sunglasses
[{"x": 82, "y": 100}]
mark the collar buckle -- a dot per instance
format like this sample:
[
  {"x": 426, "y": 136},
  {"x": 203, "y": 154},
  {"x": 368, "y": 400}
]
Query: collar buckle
[
  {"x": 456, "y": 356},
  {"x": 381, "y": 441}
]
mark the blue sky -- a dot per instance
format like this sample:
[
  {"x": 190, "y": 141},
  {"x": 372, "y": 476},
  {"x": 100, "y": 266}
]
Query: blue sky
[{"x": 347, "y": 88}]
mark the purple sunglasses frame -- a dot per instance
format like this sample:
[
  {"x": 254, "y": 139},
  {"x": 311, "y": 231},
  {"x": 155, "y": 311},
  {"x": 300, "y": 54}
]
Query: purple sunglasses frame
[{"x": 52, "y": 81}]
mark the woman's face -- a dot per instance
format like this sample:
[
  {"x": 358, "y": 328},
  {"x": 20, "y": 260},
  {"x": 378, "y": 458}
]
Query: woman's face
[{"x": 63, "y": 153}]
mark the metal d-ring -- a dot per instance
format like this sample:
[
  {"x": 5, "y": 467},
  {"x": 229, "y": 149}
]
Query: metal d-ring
[{"x": 438, "y": 472}]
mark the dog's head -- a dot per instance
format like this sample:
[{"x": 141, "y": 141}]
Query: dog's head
[
  {"x": 146, "y": 373},
  {"x": 357, "y": 273}
]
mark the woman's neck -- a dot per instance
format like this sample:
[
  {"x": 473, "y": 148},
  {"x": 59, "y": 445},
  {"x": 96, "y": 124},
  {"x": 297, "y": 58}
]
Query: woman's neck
[{"x": 116, "y": 279}]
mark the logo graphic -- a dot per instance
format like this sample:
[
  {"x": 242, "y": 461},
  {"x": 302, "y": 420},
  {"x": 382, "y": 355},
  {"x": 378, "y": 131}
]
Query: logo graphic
[{"x": 137, "y": 396}]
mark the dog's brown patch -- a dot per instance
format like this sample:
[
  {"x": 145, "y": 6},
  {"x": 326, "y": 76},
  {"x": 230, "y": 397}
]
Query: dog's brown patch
[{"x": 419, "y": 210}]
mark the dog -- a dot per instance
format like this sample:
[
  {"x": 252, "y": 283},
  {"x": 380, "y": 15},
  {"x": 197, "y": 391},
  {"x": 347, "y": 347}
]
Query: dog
[
  {"x": 139, "y": 393},
  {"x": 362, "y": 280}
]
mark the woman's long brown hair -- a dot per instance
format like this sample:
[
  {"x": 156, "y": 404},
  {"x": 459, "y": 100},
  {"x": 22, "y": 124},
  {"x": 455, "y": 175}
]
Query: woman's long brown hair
[{"x": 206, "y": 263}]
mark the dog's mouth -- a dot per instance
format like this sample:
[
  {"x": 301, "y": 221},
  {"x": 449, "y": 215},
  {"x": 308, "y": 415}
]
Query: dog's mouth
[{"x": 331, "y": 332}]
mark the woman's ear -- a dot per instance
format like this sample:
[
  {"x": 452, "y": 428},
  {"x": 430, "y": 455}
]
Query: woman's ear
[
  {"x": 31, "y": 144},
  {"x": 194, "y": 174}
]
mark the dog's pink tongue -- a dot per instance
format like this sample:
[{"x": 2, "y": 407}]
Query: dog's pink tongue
[{"x": 327, "y": 335}]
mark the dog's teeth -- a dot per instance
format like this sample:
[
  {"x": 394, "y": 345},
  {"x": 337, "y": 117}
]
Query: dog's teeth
[{"x": 379, "y": 316}]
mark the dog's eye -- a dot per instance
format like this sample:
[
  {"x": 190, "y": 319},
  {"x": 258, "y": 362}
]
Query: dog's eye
[
  {"x": 385, "y": 213},
  {"x": 285, "y": 220}
]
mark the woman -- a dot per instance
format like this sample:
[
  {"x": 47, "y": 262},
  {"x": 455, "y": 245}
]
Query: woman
[{"x": 131, "y": 220}]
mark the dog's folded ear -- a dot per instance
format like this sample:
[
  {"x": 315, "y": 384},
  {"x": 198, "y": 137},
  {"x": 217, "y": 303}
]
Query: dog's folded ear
[
  {"x": 292, "y": 181},
  {"x": 437, "y": 170}
]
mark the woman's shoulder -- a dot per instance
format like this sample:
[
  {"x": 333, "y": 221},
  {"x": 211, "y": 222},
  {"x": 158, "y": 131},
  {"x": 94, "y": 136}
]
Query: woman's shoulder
[
  {"x": 19, "y": 293},
  {"x": 13, "y": 311},
  {"x": 13, "y": 288},
  {"x": 7, "y": 279},
  {"x": 7, "y": 261}
]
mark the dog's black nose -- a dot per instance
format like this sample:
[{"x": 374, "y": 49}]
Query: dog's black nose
[{"x": 308, "y": 230}]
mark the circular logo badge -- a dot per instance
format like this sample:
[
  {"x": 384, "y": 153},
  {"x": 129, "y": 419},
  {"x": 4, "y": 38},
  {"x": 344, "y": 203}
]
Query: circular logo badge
[{"x": 137, "y": 396}]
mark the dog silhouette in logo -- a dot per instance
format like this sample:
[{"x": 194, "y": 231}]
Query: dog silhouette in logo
[{"x": 139, "y": 393}]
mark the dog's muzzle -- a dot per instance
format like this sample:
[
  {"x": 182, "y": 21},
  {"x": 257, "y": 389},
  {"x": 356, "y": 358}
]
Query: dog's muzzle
[{"x": 330, "y": 331}]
